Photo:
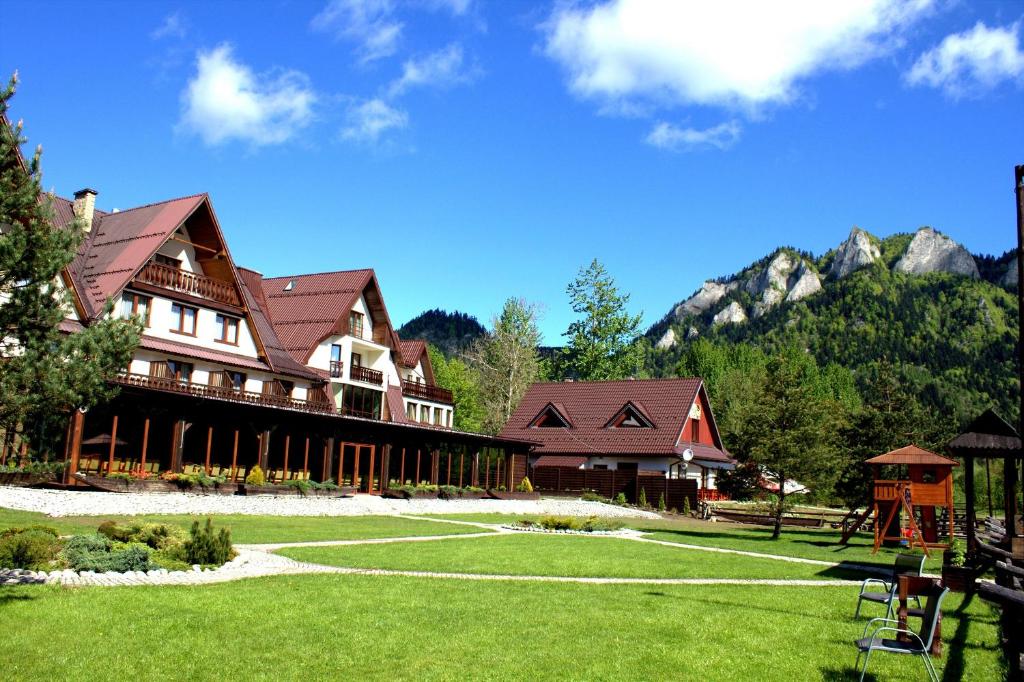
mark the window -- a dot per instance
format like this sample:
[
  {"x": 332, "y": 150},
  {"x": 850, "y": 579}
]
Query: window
[
  {"x": 136, "y": 305},
  {"x": 600, "y": 467},
  {"x": 357, "y": 360},
  {"x": 172, "y": 369},
  {"x": 167, "y": 260},
  {"x": 228, "y": 379},
  {"x": 185, "y": 318},
  {"x": 424, "y": 414},
  {"x": 276, "y": 387},
  {"x": 228, "y": 329},
  {"x": 336, "y": 364},
  {"x": 361, "y": 402},
  {"x": 355, "y": 324},
  {"x": 694, "y": 430},
  {"x": 410, "y": 411},
  {"x": 437, "y": 416}
]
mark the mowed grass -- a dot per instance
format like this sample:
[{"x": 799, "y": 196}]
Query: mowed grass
[
  {"x": 562, "y": 555},
  {"x": 365, "y": 627},
  {"x": 806, "y": 543},
  {"x": 258, "y": 529}
]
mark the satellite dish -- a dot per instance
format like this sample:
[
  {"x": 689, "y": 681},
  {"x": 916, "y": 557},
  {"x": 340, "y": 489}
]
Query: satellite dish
[{"x": 687, "y": 455}]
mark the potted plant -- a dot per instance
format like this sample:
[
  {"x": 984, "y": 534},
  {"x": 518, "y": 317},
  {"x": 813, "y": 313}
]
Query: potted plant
[{"x": 957, "y": 575}]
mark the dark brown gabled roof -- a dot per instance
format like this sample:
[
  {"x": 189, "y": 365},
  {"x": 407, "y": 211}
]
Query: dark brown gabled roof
[
  {"x": 912, "y": 454},
  {"x": 396, "y": 406},
  {"x": 590, "y": 405},
  {"x": 415, "y": 351},
  {"x": 120, "y": 244},
  {"x": 317, "y": 306}
]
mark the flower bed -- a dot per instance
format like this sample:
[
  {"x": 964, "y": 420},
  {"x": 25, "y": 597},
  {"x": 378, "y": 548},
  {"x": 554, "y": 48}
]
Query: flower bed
[{"x": 571, "y": 525}]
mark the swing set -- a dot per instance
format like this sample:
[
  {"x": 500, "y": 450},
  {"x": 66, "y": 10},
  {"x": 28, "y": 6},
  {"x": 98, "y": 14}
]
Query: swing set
[{"x": 923, "y": 486}]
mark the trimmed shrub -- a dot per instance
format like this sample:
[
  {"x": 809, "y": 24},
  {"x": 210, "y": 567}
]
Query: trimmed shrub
[
  {"x": 97, "y": 553},
  {"x": 153, "y": 535},
  {"x": 524, "y": 486},
  {"x": 661, "y": 503},
  {"x": 620, "y": 500},
  {"x": 686, "y": 505},
  {"x": 448, "y": 492},
  {"x": 206, "y": 548},
  {"x": 30, "y": 548},
  {"x": 641, "y": 499},
  {"x": 256, "y": 477},
  {"x": 300, "y": 484}
]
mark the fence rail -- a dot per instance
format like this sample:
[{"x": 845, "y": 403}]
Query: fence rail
[{"x": 202, "y": 286}]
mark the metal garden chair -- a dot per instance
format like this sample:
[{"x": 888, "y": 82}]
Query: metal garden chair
[
  {"x": 905, "y": 564},
  {"x": 914, "y": 643}
]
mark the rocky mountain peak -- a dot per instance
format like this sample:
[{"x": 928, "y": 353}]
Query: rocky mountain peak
[
  {"x": 709, "y": 294},
  {"x": 730, "y": 314},
  {"x": 856, "y": 252},
  {"x": 930, "y": 251},
  {"x": 1009, "y": 278}
]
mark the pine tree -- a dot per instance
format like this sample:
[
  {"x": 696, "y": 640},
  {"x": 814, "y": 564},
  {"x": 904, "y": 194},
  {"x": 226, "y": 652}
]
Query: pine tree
[
  {"x": 604, "y": 344},
  {"x": 44, "y": 373}
]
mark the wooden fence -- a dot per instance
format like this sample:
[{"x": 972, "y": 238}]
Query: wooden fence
[{"x": 609, "y": 483}]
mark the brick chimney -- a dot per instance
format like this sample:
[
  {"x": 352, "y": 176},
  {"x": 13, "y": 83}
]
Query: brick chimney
[{"x": 85, "y": 206}]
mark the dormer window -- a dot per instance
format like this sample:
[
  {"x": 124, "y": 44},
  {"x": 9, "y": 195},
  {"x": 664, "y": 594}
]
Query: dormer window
[
  {"x": 551, "y": 417},
  {"x": 290, "y": 285},
  {"x": 631, "y": 416}
]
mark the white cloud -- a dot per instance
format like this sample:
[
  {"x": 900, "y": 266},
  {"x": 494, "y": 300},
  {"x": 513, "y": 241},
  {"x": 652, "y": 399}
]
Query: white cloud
[
  {"x": 734, "y": 54},
  {"x": 370, "y": 23},
  {"x": 226, "y": 100},
  {"x": 456, "y": 7},
  {"x": 972, "y": 62},
  {"x": 368, "y": 121},
  {"x": 673, "y": 138},
  {"x": 443, "y": 68},
  {"x": 172, "y": 27}
]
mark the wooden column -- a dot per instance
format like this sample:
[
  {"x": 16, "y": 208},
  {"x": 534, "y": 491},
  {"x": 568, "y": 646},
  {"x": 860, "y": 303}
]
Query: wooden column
[
  {"x": 355, "y": 468},
  {"x": 234, "y": 458},
  {"x": 287, "y": 446},
  {"x": 417, "y": 481},
  {"x": 209, "y": 447},
  {"x": 369, "y": 469},
  {"x": 145, "y": 443},
  {"x": 113, "y": 446},
  {"x": 385, "y": 466},
  {"x": 328, "y": 459},
  {"x": 341, "y": 462},
  {"x": 305, "y": 461},
  {"x": 177, "y": 445},
  {"x": 487, "y": 472},
  {"x": 462, "y": 462},
  {"x": 77, "y": 426},
  {"x": 512, "y": 471},
  {"x": 264, "y": 457},
  {"x": 1010, "y": 500},
  {"x": 972, "y": 543},
  {"x": 474, "y": 475},
  {"x": 448, "y": 452},
  {"x": 401, "y": 469}
]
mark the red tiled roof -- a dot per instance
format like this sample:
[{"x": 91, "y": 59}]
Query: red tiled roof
[
  {"x": 704, "y": 452},
  {"x": 912, "y": 455},
  {"x": 396, "y": 406},
  {"x": 590, "y": 405},
  {"x": 119, "y": 244},
  {"x": 314, "y": 308},
  {"x": 412, "y": 351},
  {"x": 560, "y": 461},
  {"x": 178, "y": 348}
]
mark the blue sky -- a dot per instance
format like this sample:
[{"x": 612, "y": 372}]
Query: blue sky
[{"x": 470, "y": 151}]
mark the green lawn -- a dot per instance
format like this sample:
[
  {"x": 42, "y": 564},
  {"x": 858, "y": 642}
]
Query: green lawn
[
  {"x": 807, "y": 543},
  {"x": 259, "y": 529},
  {"x": 536, "y": 554},
  {"x": 334, "y": 627}
]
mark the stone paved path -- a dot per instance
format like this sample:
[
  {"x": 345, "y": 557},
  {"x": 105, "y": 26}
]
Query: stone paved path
[{"x": 259, "y": 560}]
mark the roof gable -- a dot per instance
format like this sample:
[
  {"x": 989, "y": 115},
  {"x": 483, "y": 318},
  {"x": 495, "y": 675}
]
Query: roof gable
[
  {"x": 552, "y": 416},
  {"x": 630, "y": 416}
]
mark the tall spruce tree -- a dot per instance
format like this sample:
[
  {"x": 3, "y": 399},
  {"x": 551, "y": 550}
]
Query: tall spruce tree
[
  {"x": 505, "y": 362},
  {"x": 603, "y": 344},
  {"x": 44, "y": 373}
]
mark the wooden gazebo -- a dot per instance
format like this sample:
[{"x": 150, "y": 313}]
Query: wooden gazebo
[{"x": 926, "y": 487}]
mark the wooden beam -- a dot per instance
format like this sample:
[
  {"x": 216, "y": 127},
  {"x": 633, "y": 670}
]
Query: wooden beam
[
  {"x": 77, "y": 426},
  {"x": 178, "y": 445},
  {"x": 287, "y": 445},
  {"x": 435, "y": 466},
  {"x": 417, "y": 481},
  {"x": 264, "y": 459},
  {"x": 145, "y": 443},
  {"x": 355, "y": 468},
  {"x": 209, "y": 447},
  {"x": 234, "y": 458},
  {"x": 401, "y": 469},
  {"x": 305, "y": 460},
  {"x": 462, "y": 461},
  {"x": 369, "y": 484},
  {"x": 972, "y": 541},
  {"x": 448, "y": 452},
  {"x": 385, "y": 465},
  {"x": 113, "y": 446},
  {"x": 341, "y": 462}
]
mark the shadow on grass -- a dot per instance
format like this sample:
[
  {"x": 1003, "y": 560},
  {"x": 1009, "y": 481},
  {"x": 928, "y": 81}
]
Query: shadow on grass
[{"x": 17, "y": 593}]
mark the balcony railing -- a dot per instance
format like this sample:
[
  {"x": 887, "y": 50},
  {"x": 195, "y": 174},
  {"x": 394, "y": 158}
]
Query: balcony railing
[
  {"x": 353, "y": 412},
  {"x": 426, "y": 392},
  {"x": 365, "y": 374},
  {"x": 170, "y": 385},
  {"x": 190, "y": 283},
  {"x": 337, "y": 369}
]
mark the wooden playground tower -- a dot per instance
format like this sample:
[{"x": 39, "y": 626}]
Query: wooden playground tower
[{"x": 927, "y": 487}]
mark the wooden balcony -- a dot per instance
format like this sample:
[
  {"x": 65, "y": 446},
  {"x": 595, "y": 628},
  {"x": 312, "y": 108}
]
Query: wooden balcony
[
  {"x": 201, "y": 286},
  {"x": 365, "y": 374},
  {"x": 337, "y": 369},
  {"x": 347, "y": 411},
  {"x": 171, "y": 385},
  {"x": 437, "y": 394}
]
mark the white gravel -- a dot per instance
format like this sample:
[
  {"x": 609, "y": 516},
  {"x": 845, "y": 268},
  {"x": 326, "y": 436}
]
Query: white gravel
[{"x": 91, "y": 503}]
